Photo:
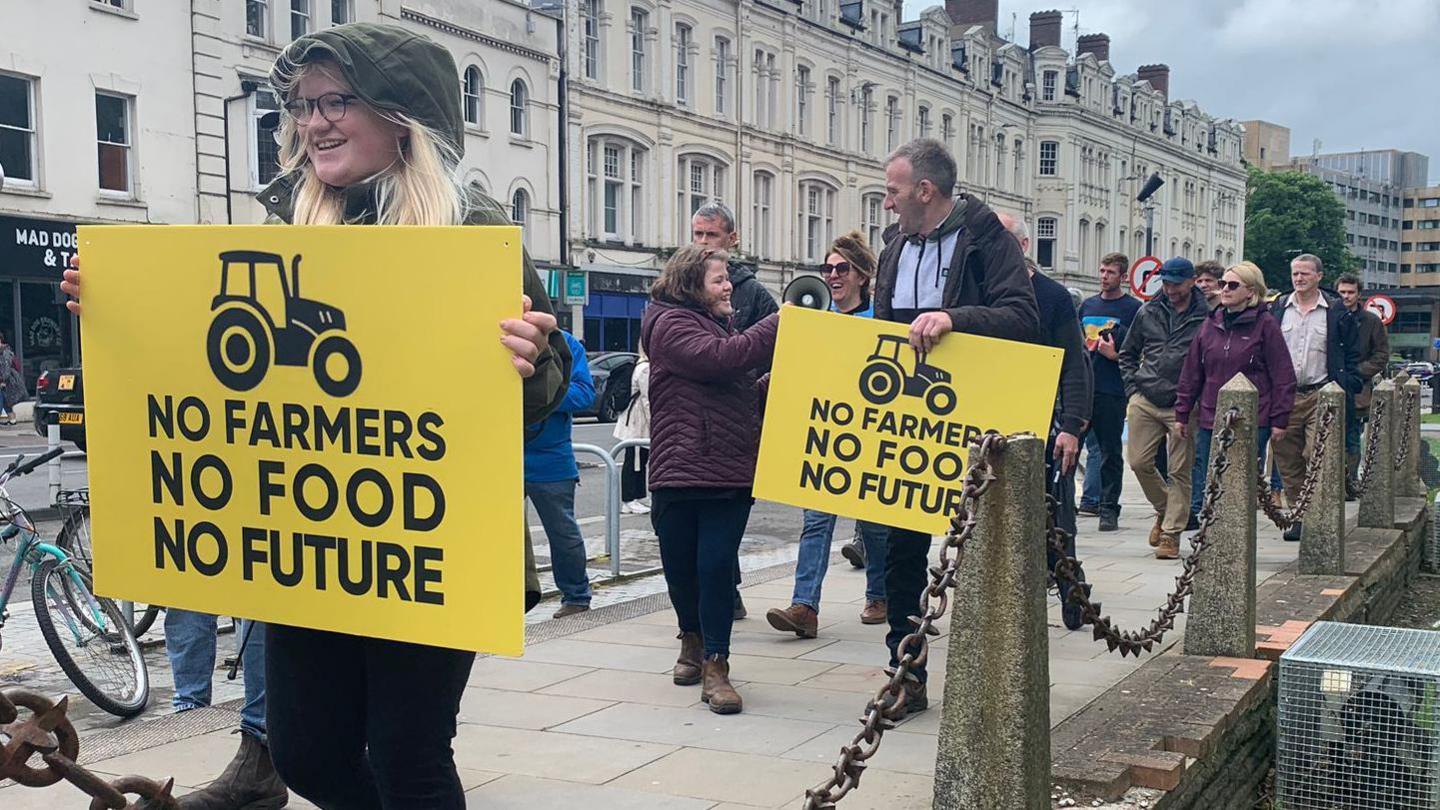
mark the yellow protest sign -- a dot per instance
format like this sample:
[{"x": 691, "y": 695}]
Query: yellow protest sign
[
  {"x": 312, "y": 426},
  {"x": 859, "y": 424}
]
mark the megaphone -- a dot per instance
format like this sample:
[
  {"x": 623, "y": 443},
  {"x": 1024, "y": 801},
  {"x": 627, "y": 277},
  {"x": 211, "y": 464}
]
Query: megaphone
[{"x": 810, "y": 292}]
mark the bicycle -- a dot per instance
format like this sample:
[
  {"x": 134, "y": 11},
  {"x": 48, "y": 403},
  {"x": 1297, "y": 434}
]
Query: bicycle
[
  {"x": 77, "y": 625},
  {"x": 74, "y": 540}
]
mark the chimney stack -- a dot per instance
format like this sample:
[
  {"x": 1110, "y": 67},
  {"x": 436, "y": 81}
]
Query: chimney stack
[
  {"x": 1045, "y": 29},
  {"x": 965, "y": 13},
  {"x": 1158, "y": 76},
  {"x": 1098, "y": 44}
]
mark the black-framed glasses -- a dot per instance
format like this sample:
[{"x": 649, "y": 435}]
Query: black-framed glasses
[
  {"x": 332, "y": 107},
  {"x": 1232, "y": 286},
  {"x": 841, "y": 269}
]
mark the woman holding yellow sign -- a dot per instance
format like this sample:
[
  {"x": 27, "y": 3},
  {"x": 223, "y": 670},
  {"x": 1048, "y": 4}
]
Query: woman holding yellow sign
[{"x": 372, "y": 133}]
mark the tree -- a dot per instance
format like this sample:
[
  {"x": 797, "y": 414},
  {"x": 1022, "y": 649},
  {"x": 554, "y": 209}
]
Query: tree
[{"x": 1288, "y": 213}]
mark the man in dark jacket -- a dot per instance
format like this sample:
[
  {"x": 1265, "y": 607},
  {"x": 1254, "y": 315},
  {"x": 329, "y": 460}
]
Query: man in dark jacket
[
  {"x": 1374, "y": 346},
  {"x": 1321, "y": 336},
  {"x": 1150, "y": 362},
  {"x": 948, "y": 266},
  {"x": 1060, "y": 328}
]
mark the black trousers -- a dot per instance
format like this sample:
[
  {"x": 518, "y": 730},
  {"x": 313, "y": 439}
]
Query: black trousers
[
  {"x": 632, "y": 473},
  {"x": 699, "y": 550},
  {"x": 906, "y": 577},
  {"x": 1107, "y": 420},
  {"x": 363, "y": 723}
]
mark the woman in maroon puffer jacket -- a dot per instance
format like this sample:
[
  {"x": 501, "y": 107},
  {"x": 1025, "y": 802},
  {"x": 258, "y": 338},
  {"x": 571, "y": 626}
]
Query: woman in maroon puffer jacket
[
  {"x": 704, "y": 438},
  {"x": 1240, "y": 336}
]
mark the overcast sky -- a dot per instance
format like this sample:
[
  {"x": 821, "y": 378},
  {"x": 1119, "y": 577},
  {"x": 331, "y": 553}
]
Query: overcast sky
[{"x": 1354, "y": 74}]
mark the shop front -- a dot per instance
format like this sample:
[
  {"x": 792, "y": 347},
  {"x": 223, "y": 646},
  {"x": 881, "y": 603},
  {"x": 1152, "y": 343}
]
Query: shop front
[
  {"x": 33, "y": 318},
  {"x": 614, "y": 308}
]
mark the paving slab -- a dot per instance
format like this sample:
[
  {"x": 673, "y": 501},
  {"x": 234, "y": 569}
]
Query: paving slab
[
  {"x": 496, "y": 707},
  {"x": 551, "y": 755},
  {"x": 765, "y": 781},
  {"x": 528, "y": 793},
  {"x": 520, "y": 675},
  {"x": 630, "y": 687},
  {"x": 698, "y": 727}
]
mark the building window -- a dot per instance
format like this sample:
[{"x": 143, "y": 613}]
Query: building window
[
  {"x": 616, "y": 188},
  {"x": 17, "y": 130},
  {"x": 947, "y": 131},
  {"x": 873, "y": 207},
  {"x": 639, "y": 25},
  {"x": 867, "y": 106},
  {"x": 923, "y": 122},
  {"x": 766, "y": 88},
  {"x": 682, "y": 64},
  {"x": 722, "y": 76},
  {"x": 1047, "y": 85},
  {"x": 1045, "y": 242},
  {"x": 342, "y": 11},
  {"x": 817, "y": 219},
  {"x": 1049, "y": 158},
  {"x": 698, "y": 182},
  {"x": 265, "y": 152},
  {"x": 832, "y": 111},
  {"x": 590, "y": 38},
  {"x": 802, "y": 101},
  {"x": 474, "y": 97},
  {"x": 1000, "y": 160},
  {"x": 299, "y": 18},
  {"x": 520, "y": 208},
  {"x": 761, "y": 224},
  {"x": 892, "y": 123},
  {"x": 112, "y": 124},
  {"x": 1019, "y": 166},
  {"x": 257, "y": 12},
  {"x": 519, "y": 101}
]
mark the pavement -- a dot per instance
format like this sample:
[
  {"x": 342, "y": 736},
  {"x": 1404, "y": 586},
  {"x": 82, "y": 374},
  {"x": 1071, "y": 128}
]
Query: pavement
[{"x": 589, "y": 716}]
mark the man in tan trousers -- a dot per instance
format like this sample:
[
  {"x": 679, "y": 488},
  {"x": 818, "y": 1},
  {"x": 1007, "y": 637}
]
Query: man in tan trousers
[{"x": 1150, "y": 362}]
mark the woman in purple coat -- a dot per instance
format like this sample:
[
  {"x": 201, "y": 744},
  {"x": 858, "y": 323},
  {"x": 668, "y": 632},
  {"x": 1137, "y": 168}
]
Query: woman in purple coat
[
  {"x": 704, "y": 439},
  {"x": 1239, "y": 337}
]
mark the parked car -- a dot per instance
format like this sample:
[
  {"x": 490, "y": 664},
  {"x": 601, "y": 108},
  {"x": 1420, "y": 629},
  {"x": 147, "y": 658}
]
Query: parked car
[
  {"x": 61, "y": 392},
  {"x": 611, "y": 372},
  {"x": 1420, "y": 370}
]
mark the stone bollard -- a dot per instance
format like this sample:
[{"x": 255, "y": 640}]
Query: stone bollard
[
  {"x": 1222, "y": 607},
  {"x": 1410, "y": 484},
  {"x": 994, "y": 748},
  {"x": 1377, "y": 504},
  {"x": 1322, "y": 535}
]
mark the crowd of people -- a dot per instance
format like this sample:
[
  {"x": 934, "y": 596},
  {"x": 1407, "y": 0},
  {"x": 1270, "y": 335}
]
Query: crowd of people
[{"x": 359, "y": 722}]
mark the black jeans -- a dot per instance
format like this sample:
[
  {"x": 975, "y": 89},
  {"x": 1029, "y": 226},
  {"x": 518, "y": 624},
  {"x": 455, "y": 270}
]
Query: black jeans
[
  {"x": 364, "y": 723},
  {"x": 632, "y": 473},
  {"x": 699, "y": 550},
  {"x": 906, "y": 577},
  {"x": 1107, "y": 420}
]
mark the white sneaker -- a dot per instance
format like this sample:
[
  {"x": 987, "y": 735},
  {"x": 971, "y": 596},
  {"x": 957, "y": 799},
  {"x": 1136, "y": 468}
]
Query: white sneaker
[{"x": 635, "y": 508}]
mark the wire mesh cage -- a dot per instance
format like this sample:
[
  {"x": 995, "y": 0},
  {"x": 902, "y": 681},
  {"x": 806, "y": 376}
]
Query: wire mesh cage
[{"x": 1358, "y": 719}]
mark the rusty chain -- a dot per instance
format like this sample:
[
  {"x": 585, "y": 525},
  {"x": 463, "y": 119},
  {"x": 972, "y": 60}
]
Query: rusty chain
[
  {"x": 1286, "y": 518},
  {"x": 1067, "y": 568},
  {"x": 888, "y": 705},
  {"x": 1405, "y": 400},
  {"x": 49, "y": 733},
  {"x": 1372, "y": 447}
]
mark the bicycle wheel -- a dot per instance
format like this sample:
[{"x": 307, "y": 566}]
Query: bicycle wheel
[
  {"x": 106, "y": 666},
  {"x": 74, "y": 540}
]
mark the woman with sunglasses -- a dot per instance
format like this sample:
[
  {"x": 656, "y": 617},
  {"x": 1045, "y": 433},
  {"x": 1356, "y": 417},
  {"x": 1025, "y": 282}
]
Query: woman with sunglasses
[{"x": 1239, "y": 337}]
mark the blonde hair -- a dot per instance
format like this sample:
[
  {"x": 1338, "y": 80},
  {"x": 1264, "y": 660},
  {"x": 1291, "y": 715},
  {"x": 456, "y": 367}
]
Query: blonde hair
[
  {"x": 1251, "y": 276},
  {"x": 423, "y": 187}
]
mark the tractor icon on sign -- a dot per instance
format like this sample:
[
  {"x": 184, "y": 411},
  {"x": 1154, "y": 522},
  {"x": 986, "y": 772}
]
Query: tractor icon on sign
[
  {"x": 260, "y": 319},
  {"x": 885, "y": 377}
]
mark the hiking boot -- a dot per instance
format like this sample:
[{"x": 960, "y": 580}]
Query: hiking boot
[
  {"x": 569, "y": 610},
  {"x": 1155, "y": 532},
  {"x": 1292, "y": 534},
  {"x": 854, "y": 551},
  {"x": 798, "y": 619},
  {"x": 1089, "y": 510},
  {"x": 249, "y": 782},
  {"x": 740, "y": 611},
  {"x": 916, "y": 700},
  {"x": 1168, "y": 548},
  {"x": 874, "y": 612},
  {"x": 1109, "y": 523},
  {"x": 687, "y": 666},
  {"x": 717, "y": 691}
]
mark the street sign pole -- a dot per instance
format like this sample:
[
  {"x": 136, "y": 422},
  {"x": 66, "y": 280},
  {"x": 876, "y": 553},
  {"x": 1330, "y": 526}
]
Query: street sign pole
[{"x": 1149, "y": 227}]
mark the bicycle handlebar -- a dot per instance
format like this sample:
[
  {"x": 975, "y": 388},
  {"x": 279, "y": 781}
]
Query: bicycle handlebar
[{"x": 17, "y": 468}]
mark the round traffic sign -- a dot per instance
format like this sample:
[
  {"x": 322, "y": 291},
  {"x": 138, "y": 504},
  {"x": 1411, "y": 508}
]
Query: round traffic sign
[
  {"x": 1145, "y": 278},
  {"x": 1383, "y": 306}
]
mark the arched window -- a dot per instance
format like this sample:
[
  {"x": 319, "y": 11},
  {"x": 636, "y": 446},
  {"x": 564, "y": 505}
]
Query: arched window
[
  {"x": 520, "y": 208},
  {"x": 923, "y": 122},
  {"x": 1100, "y": 249},
  {"x": 872, "y": 206},
  {"x": 817, "y": 219},
  {"x": 762, "y": 224},
  {"x": 474, "y": 97},
  {"x": 615, "y": 177},
  {"x": 519, "y": 104}
]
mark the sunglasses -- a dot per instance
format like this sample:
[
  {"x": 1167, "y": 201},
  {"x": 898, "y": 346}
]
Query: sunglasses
[
  {"x": 1232, "y": 286},
  {"x": 841, "y": 269}
]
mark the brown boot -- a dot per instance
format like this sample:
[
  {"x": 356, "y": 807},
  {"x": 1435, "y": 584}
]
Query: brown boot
[
  {"x": 874, "y": 612},
  {"x": 1168, "y": 548},
  {"x": 249, "y": 782},
  {"x": 717, "y": 691},
  {"x": 687, "y": 666},
  {"x": 1155, "y": 532},
  {"x": 798, "y": 619}
]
